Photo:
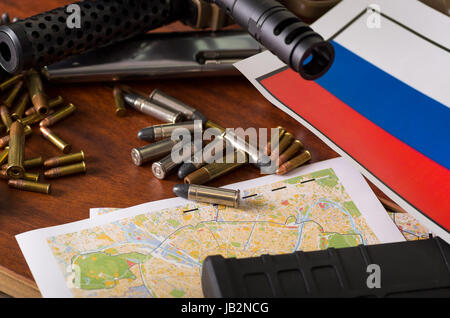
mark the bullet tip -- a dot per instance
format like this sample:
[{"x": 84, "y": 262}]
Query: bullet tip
[
  {"x": 181, "y": 190},
  {"x": 185, "y": 169},
  {"x": 147, "y": 134}
]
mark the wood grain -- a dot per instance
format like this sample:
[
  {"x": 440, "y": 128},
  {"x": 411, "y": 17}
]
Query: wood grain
[{"x": 112, "y": 180}]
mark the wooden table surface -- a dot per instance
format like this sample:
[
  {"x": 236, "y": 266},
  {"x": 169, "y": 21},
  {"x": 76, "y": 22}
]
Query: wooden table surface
[{"x": 112, "y": 179}]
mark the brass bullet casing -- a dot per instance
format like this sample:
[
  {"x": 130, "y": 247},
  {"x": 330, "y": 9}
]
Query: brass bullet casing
[
  {"x": 36, "y": 91},
  {"x": 4, "y": 141},
  {"x": 54, "y": 139},
  {"x": 15, "y": 168},
  {"x": 159, "y": 132},
  {"x": 29, "y": 163},
  {"x": 218, "y": 144},
  {"x": 52, "y": 103},
  {"x": 257, "y": 158},
  {"x": 119, "y": 101},
  {"x": 64, "y": 160},
  {"x": 4, "y": 156},
  {"x": 58, "y": 116},
  {"x": 212, "y": 195},
  {"x": 170, "y": 102},
  {"x": 285, "y": 142},
  {"x": 162, "y": 168},
  {"x": 211, "y": 124},
  {"x": 290, "y": 152},
  {"x": 9, "y": 100},
  {"x": 32, "y": 119},
  {"x": 19, "y": 109},
  {"x": 66, "y": 170},
  {"x": 32, "y": 176},
  {"x": 10, "y": 82},
  {"x": 294, "y": 162},
  {"x": 6, "y": 119},
  {"x": 149, "y": 108},
  {"x": 30, "y": 186},
  {"x": 274, "y": 140},
  {"x": 152, "y": 152},
  {"x": 33, "y": 163},
  {"x": 214, "y": 170}
]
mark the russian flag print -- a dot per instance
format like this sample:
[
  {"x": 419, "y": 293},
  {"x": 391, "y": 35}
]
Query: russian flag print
[
  {"x": 396, "y": 133},
  {"x": 384, "y": 104}
]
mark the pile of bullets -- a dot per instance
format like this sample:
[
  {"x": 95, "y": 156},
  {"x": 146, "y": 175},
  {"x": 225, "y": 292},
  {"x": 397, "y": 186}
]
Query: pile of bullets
[
  {"x": 289, "y": 152},
  {"x": 199, "y": 171},
  {"x": 17, "y": 122}
]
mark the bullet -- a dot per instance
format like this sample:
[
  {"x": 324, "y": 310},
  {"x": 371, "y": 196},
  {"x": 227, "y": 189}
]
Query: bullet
[
  {"x": 4, "y": 156},
  {"x": 158, "y": 132},
  {"x": 15, "y": 168},
  {"x": 256, "y": 157},
  {"x": 274, "y": 140},
  {"x": 66, "y": 170},
  {"x": 212, "y": 195},
  {"x": 32, "y": 176},
  {"x": 29, "y": 163},
  {"x": 19, "y": 109},
  {"x": 211, "y": 124},
  {"x": 52, "y": 103},
  {"x": 4, "y": 141},
  {"x": 170, "y": 102},
  {"x": 26, "y": 176},
  {"x": 58, "y": 116},
  {"x": 6, "y": 119},
  {"x": 290, "y": 152},
  {"x": 284, "y": 143},
  {"x": 166, "y": 165},
  {"x": 54, "y": 139},
  {"x": 9, "y": 100},
  {"x": 36, "y": 91},
  {"x": 152, "y": 152},
  {"x": 30, "y": 186},
  {"x": 149, "y": 108},
  {"x": 214, "y": 170},
  {"x": 32, "y": 119},
  {"x": 205, "y": 155},
  {"x": 10, "y": 82},
  {"x": 33, "y": 163},
  {"x": 64, "y": 160},
  {"x": 119, "y": 101},
  {"x": 294, "y": 162}
]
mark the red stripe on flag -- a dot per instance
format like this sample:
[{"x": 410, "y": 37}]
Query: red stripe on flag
[{"x": 418, "y": 179}]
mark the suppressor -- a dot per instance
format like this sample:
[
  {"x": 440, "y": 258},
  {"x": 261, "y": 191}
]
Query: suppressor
[
  {"x": 54, "y": 35},
  {"x": 281, "y": 32}
]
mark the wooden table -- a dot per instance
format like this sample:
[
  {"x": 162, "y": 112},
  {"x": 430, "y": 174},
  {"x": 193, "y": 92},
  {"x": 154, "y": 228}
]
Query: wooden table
[{"x": 112, "y": 179}]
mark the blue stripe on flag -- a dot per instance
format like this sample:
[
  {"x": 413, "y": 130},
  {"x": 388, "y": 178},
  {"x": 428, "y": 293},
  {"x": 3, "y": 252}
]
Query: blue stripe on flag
[{"x": 416, "y": 119}]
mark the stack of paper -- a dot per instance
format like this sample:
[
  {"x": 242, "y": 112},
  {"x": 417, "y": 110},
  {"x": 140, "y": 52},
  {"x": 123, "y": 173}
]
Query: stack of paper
[{"x": 156, "y": 249}]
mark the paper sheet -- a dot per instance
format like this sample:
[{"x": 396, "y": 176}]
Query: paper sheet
[
  {"x": 156, "y": 249},
  {"x": 411, "y": 45}
]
